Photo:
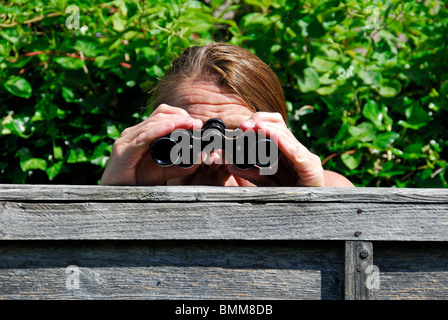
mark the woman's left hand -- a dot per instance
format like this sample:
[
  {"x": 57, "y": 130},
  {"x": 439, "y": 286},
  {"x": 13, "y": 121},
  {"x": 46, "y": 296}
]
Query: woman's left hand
[{"x": 297, "y": 166}]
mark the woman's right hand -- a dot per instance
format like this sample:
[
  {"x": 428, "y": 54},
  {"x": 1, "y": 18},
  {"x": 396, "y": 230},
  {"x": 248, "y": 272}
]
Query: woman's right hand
[{"x": 130, "y": 162}]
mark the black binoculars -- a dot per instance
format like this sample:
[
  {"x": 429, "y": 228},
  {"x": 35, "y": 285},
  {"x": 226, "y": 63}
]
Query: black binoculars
[{"x": 182, "y": 147}]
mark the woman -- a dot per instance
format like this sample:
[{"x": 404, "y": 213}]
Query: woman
[{"x": 225, "y": 82}]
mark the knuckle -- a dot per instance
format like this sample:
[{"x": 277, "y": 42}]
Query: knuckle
[
  {"x": 316, "y": 159},
  {"x": 278, "y": 117},
  {"x": 164, "y": 108},
  {"x": 160, "y": 107},
  {"x": 125, "y": 132},
  {"x": 264, "y": 115},
  {"x": 118, "y": 146},
  {"x": 156, "y": 116},
  {"x": 147, "y": 128}
]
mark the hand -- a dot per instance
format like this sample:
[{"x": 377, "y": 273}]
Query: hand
[
  {"x": 130, "y": 162},
  {"x": 297, "y": 165}
]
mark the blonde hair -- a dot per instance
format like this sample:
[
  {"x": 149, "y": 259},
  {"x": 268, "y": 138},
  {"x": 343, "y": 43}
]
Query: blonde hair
[{"x": 230, "y": 66}]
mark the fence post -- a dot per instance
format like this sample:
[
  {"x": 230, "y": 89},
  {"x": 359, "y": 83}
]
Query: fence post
[{"x": 358, "y": 268}]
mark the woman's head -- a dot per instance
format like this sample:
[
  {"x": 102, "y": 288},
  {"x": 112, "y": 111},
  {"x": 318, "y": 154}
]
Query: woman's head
[{"x": 233, "y": 69}]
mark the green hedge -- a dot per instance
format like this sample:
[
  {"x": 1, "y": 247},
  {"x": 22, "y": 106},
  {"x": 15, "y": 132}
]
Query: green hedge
[{"x": 366, "y": 83}]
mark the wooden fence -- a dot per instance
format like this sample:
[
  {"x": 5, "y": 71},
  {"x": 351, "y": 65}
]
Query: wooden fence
[{"x": 96, "y": 242}]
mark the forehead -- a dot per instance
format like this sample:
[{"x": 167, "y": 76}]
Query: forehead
[{"x": 204, "y": 99}]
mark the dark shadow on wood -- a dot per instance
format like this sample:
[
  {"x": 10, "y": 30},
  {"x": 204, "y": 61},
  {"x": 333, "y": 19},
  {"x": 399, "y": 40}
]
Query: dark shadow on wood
[
  {"x": 412, "y": 270},
  {"x": 286, "y": 267}
]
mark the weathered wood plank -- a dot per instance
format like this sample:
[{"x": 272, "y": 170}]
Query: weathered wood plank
[
  {"x": 412, "y": 271},
  {"x": 358, "y": 268},
  {"x": 221, "y": 194},
  {"x": 409, "y": 228},
  {"x": 223, "y": 221},
  {"x": 171, "y": 270}
]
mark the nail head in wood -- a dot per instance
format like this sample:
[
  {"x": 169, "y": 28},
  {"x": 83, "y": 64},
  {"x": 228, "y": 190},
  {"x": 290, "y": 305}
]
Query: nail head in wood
[{"x": 364, "y": 254}]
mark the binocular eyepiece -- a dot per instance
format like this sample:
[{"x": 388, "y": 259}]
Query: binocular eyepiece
[{"x": 244, "y": 150}]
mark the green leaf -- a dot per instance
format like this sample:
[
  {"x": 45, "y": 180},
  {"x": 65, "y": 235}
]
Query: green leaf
[
  {"x": 352, "y": 161},
  {"x": 390, "y": 169},
  {"x": 322, "y": 65},
  {"x": 385, "y": 140},
  {"x": 412, "y": 151},
  {"x": 6, "y": 9},
  {"x": 45, "y": 110},
  {"x": 10, "y": 35},
  {"x": 377, "y": 114},
  {"x": 118, "y": 22},
  {"x": 54, "y": 170},
  {"x": 364, "y": 132},
  {"x": 113, "y": 132},
  {"x": 309, "y": 80},
  {"x": 370, "y": 77},
  {"x": 155, "y": 71},
  {"x": 416, "y": 116},
  {"x": 18, "y": 86},
  {"x": 372, "y": 112},
  {"x": 262, "y": 4},
  {"x": 57, "y": 152},
  {"x": 69, "y": 62},
  {"x": 68, "y": 94},
  {"x": 108, "y": 61},
  {"x": 101, "y": 154},
  {"x": 76, "y": 155},
  {"x": 89, "y": 46},
  {"x": 327, "y": 90},
  {"x": 33, "y": 163},
  {"x": 389, "y": 90},
  {"x": 16, "y": 126}
]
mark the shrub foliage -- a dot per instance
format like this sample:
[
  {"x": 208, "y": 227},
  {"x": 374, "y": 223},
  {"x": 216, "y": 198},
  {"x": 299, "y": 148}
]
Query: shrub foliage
[{"x": 366, "y": 83}]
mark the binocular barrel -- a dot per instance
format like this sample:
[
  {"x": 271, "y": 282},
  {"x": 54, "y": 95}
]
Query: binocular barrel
[
  {"x": 170, "y": 150},
  {"x": 161, "y": 151}
]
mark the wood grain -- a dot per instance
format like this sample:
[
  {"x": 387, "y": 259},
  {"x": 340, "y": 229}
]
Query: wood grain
[
  {"x": 220, "y": 194},
  {"x": 222, "y": 221},
  {"x": 222, "y": 243},
  {"x": 358, "y": 260},
  {"x": 412, "y": 271},
  {"x": 172, "y": 270}
]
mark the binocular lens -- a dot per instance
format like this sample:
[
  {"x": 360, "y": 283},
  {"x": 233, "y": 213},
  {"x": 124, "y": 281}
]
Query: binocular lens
[{"x": 161, "y": 151}]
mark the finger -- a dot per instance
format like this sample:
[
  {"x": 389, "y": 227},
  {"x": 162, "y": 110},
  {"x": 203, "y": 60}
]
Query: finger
[
  {"x": 273, "y": 117},
  {"x": 288, "y": 145},
  {"x": 163, "y": 109},
  {"x": 167, "y": 109},
  {"x": 215, "y": 159},
  {"x": 253, "y": 175},
  {"x": 162, "y": 112},
  {"x": 147, "y": 170},
  {"x": 307, "y": 165},
  {"x": 160, "y": 126},
  {"x": 130, "y": 148}
]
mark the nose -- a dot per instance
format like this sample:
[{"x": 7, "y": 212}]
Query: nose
[{"x": 215, "y": 160}]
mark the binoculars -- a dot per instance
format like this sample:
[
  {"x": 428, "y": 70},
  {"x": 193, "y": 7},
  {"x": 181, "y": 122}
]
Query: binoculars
[{"x": 182, "y": 147}]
